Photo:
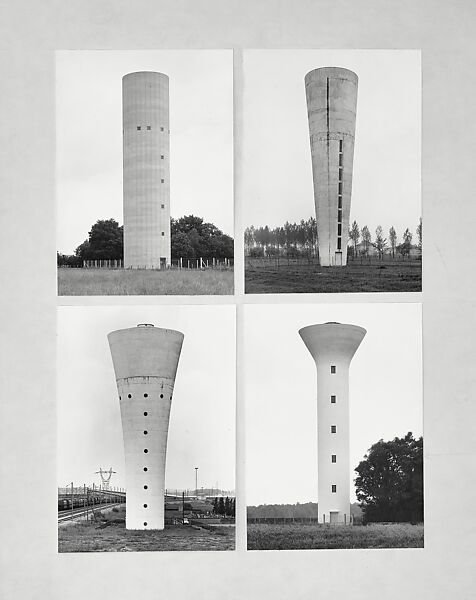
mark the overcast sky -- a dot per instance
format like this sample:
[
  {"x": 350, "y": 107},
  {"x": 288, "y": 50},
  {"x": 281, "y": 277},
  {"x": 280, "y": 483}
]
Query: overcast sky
[
  {"x": 277, "y": 157},
  {"x": 89, "y": 135},
  {"x": 385, "y": 391},
  {"x": 202, "y": 421}
]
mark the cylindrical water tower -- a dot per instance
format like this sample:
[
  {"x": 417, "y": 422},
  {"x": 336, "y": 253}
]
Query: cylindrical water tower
[
  {"x": 146, "y": 170},
  {"x": 332, "y": 346},
  {"x": 331, "y": 94},
  {"x": 145, "y": 362}
]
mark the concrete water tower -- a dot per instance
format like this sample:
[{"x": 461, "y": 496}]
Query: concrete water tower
[
  {"x": 145, "y": 362},
  {"x": 332, "y": 346},
  {"x": 331, "y": 94},
  {"x": 146, "y": 170}
]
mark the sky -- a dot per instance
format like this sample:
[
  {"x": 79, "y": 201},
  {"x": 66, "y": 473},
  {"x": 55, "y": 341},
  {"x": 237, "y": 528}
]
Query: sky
[
  {"x": 277, "y": 168},
  {"x": 202, "y": 421},
  {"x": 89, "y": 136},
  {"x": 385, "y": 392}
]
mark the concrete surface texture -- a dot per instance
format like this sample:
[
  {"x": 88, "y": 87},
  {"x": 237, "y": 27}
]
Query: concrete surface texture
[
  {"x": 145, "y": 362},
  {"x": 331, "y": 94},
  {"x": 146, "y": 164},
  {"x": 332, "y": 346}
]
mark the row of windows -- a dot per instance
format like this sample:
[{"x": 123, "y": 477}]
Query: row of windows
[
  {"x": 339, "y": 198},
  {"x": 145, "y": 395},
  {"x": 148, "y": 127}
]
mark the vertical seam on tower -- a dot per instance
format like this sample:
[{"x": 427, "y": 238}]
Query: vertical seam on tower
[{"x": 328, "y": 173}]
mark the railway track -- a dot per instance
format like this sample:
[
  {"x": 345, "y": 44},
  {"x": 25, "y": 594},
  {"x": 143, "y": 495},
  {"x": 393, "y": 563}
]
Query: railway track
[{"x": 67, "y": 515}]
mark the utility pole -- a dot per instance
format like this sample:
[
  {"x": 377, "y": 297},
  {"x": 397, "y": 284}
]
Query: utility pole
[{"x": 196, "y": 481}]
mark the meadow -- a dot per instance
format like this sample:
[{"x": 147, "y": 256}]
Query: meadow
[
  {"x": 108, "y": 533},
  {"x": 120, "y": 282},
  {"x": 268, "y": 276},
  {"x": 299, "y": 536}
]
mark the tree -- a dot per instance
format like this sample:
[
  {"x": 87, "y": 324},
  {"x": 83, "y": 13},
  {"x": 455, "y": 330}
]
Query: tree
[
  {"x": 389, "y": 484},
  {"x": 191, "y": 237},
  {"x": 405, "y": 247},
  {"x": 221, "y": 506},
  {"x": 354, "y": 235},
  {"x": 366, "y": 238},
  {"x": 215, "y": 506},
  {"x": 380, "y": 241},
  {"x": 419, "y": 232},
  {"x": 105, "y": 242},
  {"x": 392, "y": 236}
]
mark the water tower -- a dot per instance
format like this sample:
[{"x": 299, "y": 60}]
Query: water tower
[
  {"x": 145, "y": 362},
  {"x": 331, "y": 94},
  {"x": 332, "y": 346},
  {"x": 146, "y": 170}
]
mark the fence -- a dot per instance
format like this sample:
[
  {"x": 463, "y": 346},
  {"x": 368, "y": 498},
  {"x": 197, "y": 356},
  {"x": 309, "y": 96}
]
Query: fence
[
  {"x": 176, "y": 263},
  {"x": 285, "y": 520},
  {"x": 277, "y": 262}
]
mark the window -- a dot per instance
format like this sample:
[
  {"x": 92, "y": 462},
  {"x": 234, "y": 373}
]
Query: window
[
  {"x": 339, "y": 247},
  {"x": 145, "y": 524},
  {"x": 340, "y": 160},
  {"x": 162, "y": 206},
  {"x": 145, "y": 468},
  {"x": 339, "y": 217},
  {"x": 145, "y": 414},
  {"x": 339, "y": 229},
  {"x": 334, "y": 458},
  {"x": 333, "y": 428},
  {"x": 138, "y": 127},
  {"x": 145, "y": 432},
  {"x": 340, "y": 187},
  {"x": 148, "y": 127},
  {"x": 146, "y": 395},
  {"x": 161, "y": 129},
  {"x": 341, "y": 142},
  {"x": 340, "y": 202},
  {"x": 145, "y": 505},
  {"x": 161, "y": 395},
  {"x": 162, "y": 157},
  {"x": 334, "y": 489},
  {"x": 333, "y": 399},
  {"x": 129, "y": 395},
  {"x": 163, "y": 233},
  {"x": 145, "y": 487},
  {"x": 333, "y": 368},
  {"x": 145, "y": 451}
]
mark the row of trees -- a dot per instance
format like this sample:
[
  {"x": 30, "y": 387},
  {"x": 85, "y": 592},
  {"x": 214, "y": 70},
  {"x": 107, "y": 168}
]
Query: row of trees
[
  {"x": 191, "y": 237},
  {"x": 300, "y": 239},
  {"x": 224, "y": 507}
]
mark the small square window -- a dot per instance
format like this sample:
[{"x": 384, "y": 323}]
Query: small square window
[
  {"x": 333, "y": 399},
  {"x": 148, "y": 127},
  {"x": 162, "y": 157},
  {"x": 333, "y": 368},
  {"x": 161, "y": 129},
  {"x": 162, "y": 206},
  {"x": 163, "y": 233},
  {"x": 333, "y": 428},
  {"x": 334, "y": 489},
  {"x": 334, "y": 458},
  {"x": 138, "y": 127},
  {"x": 162, "y": 180}
]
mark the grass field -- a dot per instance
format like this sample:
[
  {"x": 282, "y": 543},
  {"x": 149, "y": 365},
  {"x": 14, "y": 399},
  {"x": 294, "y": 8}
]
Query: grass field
[
  {"x": 109, "y": 534},
  {"x": 263, "y": 277},
  {"x": 298, "y": 536},
  {"x": 120, "y": 282}
]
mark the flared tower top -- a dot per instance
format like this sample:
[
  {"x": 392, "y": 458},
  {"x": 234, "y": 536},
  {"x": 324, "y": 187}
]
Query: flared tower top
[
  {"x": 145, "y": 351},
  {"x": 336, "y": 339},
  {"x": 322, "y": 73}
]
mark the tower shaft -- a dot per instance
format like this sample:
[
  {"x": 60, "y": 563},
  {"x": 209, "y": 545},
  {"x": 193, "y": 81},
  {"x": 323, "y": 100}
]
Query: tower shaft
[
  {"x": 145, "y": 362},
  {"x": 146, "y": 170},
  {"x": 331, "y": 94}
]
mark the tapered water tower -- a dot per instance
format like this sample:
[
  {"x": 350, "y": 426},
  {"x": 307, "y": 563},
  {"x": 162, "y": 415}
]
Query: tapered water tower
[
  {"x": 331, "y": 94},
  {"x": 332, "y": 346},
  {"x": 146, "y": 170},
  {"x": 145, "y": 362}
]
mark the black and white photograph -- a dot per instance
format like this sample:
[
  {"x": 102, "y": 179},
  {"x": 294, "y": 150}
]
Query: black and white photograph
[
  {"x": 144, "y": 173},
  {"x": 146, "y": 428},
  {"x": 331, "y": 174},
  {"x": 334, "y": 426}
]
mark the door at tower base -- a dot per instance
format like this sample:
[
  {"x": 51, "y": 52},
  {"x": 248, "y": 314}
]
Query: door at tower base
[
  {"x": 145, "y": 362},
  {"x": 331, "y": 94}
]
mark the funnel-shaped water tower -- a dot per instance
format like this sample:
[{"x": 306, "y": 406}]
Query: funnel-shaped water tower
[
  {"x": 146, "y": 170},
  {"x": 332, "y": 346},
  {"x": 331, "y": 94},
  {"x": 145, "y": 362}
]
